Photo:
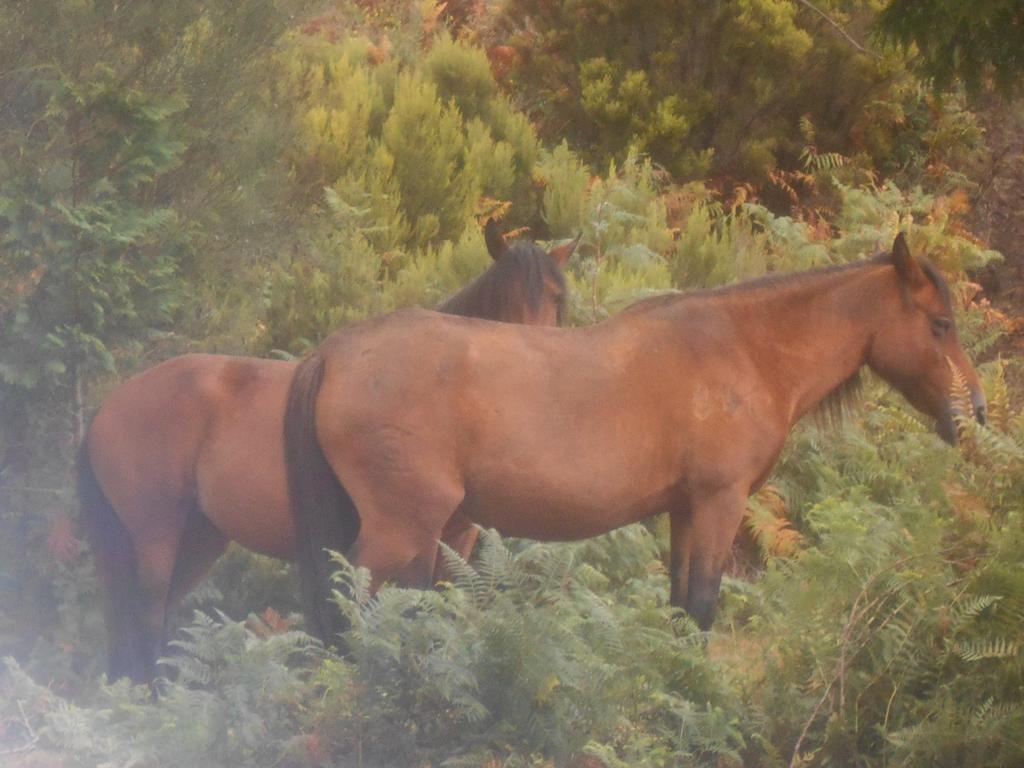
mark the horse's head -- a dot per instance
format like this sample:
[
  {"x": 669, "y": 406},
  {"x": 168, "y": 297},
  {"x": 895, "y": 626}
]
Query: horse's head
[
  {"x": 918, "y": 349},
  {"x": 525, "y": 284}
]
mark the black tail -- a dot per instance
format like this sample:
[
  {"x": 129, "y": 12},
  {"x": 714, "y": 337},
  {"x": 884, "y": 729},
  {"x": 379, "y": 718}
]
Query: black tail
[
  {"x": 325, "y": 515},
  {"x": 131, "y": 652}
]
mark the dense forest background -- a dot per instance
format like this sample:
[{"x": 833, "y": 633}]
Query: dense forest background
[{"x": 244, "y": 177}]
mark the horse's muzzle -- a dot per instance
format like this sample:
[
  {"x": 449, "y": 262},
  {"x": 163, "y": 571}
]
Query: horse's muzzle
[
  {"x": 947, "y": 424},
  {"x": 980, "y": 407},
  {"x": 947, "y": 429}
]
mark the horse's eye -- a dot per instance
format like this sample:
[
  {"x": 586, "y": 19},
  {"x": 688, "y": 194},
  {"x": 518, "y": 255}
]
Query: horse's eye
[{"x": 941, "y": 326}]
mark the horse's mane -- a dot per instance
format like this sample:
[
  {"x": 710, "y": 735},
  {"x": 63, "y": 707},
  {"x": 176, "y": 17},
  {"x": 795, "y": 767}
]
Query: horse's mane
[
  {"x": 832, "y": 411},
  {"x": 791, "y": 279},
  {"x": 524, "y": 265}
]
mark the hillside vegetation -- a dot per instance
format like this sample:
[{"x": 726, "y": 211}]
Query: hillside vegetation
[{"x": 246, "y": 177}]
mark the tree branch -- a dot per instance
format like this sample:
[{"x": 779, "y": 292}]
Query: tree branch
[
  {"x": 33, "y": 737},
  {"x": 835, "y": 25}
]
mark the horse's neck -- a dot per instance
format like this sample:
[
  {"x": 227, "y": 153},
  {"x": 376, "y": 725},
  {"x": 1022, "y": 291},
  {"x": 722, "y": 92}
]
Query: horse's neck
[
  {"x": 824, "y": 329},
  {"x": 810, "y": 336},
  {"x": 465, "y": 302}
]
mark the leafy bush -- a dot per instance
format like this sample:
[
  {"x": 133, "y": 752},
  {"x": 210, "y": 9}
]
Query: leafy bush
[
  {"x": 892, "y": 636},
  {"x": 700, "y": 88},
  {"x": 426, "y": 138}
]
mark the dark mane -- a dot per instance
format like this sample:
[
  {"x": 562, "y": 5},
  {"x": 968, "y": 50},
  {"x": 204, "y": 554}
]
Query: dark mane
[
  {"x": 937, "y": 279},
  {"x": 521, "y": 273}
]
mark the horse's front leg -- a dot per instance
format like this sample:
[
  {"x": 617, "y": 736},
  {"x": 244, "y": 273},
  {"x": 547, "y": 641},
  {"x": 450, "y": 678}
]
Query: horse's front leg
[
  {"x": 701, "y": 542},
  {"x": 679, "y": 564},
  {"x": 419, "y": 572}
]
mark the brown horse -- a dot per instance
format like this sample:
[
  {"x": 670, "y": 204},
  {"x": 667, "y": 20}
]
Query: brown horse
[
  {"x": 680, "y": 403},
  {"x": 187, "y": 456}
]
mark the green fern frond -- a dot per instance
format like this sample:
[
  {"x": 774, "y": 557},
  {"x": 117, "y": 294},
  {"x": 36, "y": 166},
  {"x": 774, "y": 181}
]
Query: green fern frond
[
  {"x": 998, "y": 396},
  {"x": 959, "y": 392},
  {"x": 462, "y": 574},
  {"x": 970, "y": 607},
  {"x": 991, "y": 648},
  {"x": 899, "y": 420},
  {"x": 807, "y": 131},
  {"x": 495, "y": 563}
]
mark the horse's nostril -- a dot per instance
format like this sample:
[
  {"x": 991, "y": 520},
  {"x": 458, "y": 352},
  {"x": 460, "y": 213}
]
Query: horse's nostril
[{"x": 980, "y": 414}]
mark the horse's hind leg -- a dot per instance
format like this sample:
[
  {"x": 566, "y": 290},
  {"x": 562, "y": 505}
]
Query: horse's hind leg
[
  {"x": 135, "y": 549},
  {"x": 156, "y": 528},
  {"x": 393, "y": 553},
  {"x": 156, "y": 560},
  {"x": 127, "y": 643},
  {"x": 200, "y": 545}
]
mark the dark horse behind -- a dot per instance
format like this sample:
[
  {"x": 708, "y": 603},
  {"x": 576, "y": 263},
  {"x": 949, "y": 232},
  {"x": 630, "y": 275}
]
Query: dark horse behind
[
  {"x": 680, "y": 403},
  {"x": 187, "y": 456}
]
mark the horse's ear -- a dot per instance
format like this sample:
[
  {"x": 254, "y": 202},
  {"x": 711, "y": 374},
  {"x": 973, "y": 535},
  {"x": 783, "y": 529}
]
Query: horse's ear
[
  {"x": 496, "y": 245},
  {"x": 561, "y": 253},
  {"x": 907, "y": 267}
]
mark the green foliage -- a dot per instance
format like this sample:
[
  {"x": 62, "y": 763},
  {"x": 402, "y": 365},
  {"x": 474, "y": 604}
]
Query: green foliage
[
  {"x": 520, "y": 656},
  {"x": 630, "y": 249},
  {"x": 331, "y": 279},
  {"x": 887, "y": 636},
  {"x": 544, "y": 654},
  {"x": 426, "y": 138},
  {"x": 624, "y": 236},
  {"x": 182, "y": 174},
  {"x": 134, "y": 178},
  {"x": 917, "y": 138},
  {"x": 100, "y": 260},
  {"x": 967, "y": 41},
  {"x": 566, "y": 182},
  {"x": 338, "y": 276},
  {"x": 237, "y": 701},
  {"x": 699, "y": 87}
]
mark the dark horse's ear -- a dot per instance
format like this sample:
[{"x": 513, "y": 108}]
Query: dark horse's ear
[
  {"x": 907, "y": 268},
  {"x": 496, "y": 245},
  {"x": 561, "y": 253}
]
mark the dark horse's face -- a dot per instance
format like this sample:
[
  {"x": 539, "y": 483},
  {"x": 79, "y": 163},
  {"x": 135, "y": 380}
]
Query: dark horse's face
[
  {"x": 531, "y": 279},
  {"x": 920, "y": 352}
]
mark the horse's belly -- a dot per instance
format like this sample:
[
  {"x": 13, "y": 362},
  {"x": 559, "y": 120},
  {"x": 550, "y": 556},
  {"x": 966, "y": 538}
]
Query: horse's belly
[
  {"x": 244, "y": 494},
  {"x": 254, "y": 514},
  {"x": 531, "y": 512}
]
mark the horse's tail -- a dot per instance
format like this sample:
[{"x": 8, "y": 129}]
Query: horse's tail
[
  {"x": 324, "y": 513},
  {"x": 130, "y": 650}
]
